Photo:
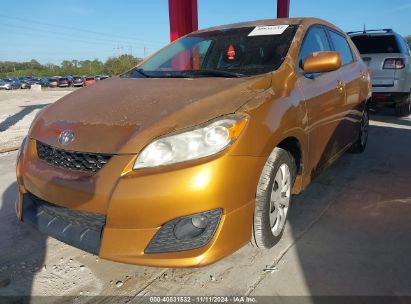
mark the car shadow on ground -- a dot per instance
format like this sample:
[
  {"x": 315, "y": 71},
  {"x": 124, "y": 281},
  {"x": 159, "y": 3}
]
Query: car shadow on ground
[
  {"x": 15, "y": 118},
  {"x": 17, "y": 270},
  {"x": 360, "y": 244}
]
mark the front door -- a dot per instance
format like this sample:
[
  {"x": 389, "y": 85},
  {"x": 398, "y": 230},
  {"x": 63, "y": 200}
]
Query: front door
[{"x": 325, "y": 98}]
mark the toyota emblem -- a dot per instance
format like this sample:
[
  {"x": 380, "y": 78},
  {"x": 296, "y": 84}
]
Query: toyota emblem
[{"x": 66, "y": 137}]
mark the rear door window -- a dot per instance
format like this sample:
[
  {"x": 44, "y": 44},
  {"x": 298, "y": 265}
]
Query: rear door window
[
  {"x": 341, "y": 46},
  {"x": 371, "y": 44}
]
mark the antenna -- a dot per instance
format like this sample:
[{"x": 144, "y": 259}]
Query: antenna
[{"x": 364, "y": 28}]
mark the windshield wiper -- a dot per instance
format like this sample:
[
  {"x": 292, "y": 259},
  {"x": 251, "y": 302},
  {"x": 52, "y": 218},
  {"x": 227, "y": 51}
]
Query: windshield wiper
[{"x": 218, "y": 73}]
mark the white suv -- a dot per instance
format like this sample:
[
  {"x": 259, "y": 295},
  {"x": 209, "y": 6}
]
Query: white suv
[{"x": 388, "y": 56}]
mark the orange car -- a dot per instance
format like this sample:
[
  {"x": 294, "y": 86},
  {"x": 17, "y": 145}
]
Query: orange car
[{"x": 189, "y": 156}]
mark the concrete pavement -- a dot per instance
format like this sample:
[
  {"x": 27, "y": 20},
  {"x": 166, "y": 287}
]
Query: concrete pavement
[
  {"x": 17, "y": 110},
  {"x": 348, "y": 234}
]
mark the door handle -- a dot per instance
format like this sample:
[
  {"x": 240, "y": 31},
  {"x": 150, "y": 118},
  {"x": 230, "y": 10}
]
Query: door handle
[{"x": 340, "y": 86}]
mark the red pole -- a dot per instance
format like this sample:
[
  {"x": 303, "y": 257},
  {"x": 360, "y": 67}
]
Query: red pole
[
  {"x": 283, "y": 8},
  {"x": 183, "y": 17}
]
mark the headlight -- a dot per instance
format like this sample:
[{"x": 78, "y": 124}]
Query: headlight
[{"x": 202, "y": 141}]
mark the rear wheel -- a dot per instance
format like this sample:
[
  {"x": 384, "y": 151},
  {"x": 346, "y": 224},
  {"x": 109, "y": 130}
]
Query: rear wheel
[
  {"x": 273, "y": 198},
  {"x": 403, "y": 109},
  {"x": 361, "y": 143}
]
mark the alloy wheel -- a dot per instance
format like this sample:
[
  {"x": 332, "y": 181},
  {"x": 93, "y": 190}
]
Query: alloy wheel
[{"x": 280, "y": 199}]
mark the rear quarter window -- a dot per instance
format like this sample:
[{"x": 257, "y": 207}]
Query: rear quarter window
[{"x": 369, "y": 44}]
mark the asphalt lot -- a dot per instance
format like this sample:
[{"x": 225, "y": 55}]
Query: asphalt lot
[{"x": 348, "y": 234}]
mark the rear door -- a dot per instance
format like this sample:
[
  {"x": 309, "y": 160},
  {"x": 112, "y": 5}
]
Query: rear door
[
  {"x": 324, "y": 95},
  {"x": 353, "y": 75}
]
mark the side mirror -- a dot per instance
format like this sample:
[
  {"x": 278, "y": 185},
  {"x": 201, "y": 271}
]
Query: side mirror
[{"x": 320, "y": 62}]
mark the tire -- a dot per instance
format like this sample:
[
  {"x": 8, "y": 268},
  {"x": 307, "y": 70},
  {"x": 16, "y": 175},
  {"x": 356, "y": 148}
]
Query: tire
[
  {"x": 361, "y": 143},
  {"x": 403, "y": 109},
  {"x": 269, "y": 220}
]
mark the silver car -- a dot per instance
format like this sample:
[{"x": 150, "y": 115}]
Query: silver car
[
  {"x": 388, "y": 56},
  {"x": 9, "y": 84}
]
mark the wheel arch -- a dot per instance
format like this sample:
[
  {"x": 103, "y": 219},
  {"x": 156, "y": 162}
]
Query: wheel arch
[{"x": 292, "y": 145}]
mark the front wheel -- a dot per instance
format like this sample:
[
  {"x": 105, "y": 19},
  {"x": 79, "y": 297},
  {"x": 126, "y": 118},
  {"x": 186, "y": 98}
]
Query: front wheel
[{"x": 273, "y": 198}]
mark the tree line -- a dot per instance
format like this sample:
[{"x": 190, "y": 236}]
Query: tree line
[{"x": 112, "y": 66}]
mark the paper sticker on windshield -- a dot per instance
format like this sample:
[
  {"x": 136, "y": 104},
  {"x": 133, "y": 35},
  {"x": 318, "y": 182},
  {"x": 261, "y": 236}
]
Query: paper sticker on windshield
[{"x": 265, "y": 30}]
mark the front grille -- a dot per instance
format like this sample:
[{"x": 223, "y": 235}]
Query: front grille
[
  {"x": 91, "y": 162},
  {"x": 76, "y": 228}
]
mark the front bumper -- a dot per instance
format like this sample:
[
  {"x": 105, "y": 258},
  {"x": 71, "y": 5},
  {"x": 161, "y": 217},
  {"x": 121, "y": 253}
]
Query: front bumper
[
  {"x": 79, "y": 229},
  {"x": 135, "y": 205}
]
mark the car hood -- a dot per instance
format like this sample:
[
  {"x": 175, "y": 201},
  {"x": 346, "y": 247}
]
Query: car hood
[{"x": 121, "y": 115}]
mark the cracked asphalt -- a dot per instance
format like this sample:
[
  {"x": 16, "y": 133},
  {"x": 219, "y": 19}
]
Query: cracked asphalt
[{"x": 348, "y": 234}]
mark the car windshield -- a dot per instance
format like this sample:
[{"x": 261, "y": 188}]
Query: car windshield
[
  {"x": 233, "y": 52},
  {"x": 372, "y": 44}
]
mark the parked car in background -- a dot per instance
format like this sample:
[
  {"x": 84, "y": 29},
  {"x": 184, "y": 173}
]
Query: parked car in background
[
  {"x": 152, "y": 169},
  {"x": 388, "y": 56},
  {"x": 64, "y": 82},
  {"x": 10, "y": 84},
  {"x": 53, "y": 82},
  {"x": 89, "y": 81},
  {"x": 78, "y": 81},
  {"x": 36, "y": 80},
  {"x": 25, "y": 83},
  {"x": 44, "y": 82},
  {"x": 4, "y": 85}
]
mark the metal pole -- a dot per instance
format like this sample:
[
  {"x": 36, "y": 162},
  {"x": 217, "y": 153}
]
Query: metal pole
[
  {"x": 283, "y": 8},
  {"x": 183, "y": 17}
]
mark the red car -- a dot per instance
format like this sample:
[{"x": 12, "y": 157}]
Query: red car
[{"x": 90, "y": 81}]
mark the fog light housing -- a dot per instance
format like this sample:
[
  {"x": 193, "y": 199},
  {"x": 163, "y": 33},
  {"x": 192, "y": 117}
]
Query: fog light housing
[
  {"x": 185, "y": 233},
  {"x": 189, "y": 228}
]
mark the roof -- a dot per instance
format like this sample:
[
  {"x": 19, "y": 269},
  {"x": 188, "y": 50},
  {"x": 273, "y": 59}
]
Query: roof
[
  {"x": 279, "y": 21},
  {"x": 377, "y": 32}
]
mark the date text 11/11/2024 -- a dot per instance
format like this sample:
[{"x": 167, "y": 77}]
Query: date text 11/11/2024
[{"x": 203, "y": 299}]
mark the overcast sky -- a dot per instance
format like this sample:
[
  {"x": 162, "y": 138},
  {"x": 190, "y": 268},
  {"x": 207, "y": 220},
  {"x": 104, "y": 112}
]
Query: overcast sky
[{"x": 50, "y": 31}]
